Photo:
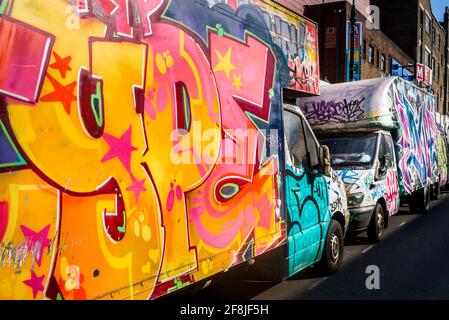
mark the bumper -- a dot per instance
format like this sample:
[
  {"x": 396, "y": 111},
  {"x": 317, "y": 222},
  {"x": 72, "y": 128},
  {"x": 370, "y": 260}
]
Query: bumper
[{"x": 360, "y": 218}]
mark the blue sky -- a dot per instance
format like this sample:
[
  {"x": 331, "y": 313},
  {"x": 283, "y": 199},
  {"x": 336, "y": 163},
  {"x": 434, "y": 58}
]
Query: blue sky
[{"x": 438, "y": 8}]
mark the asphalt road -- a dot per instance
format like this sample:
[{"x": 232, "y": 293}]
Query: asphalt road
[{"x": 413, "y": 260}]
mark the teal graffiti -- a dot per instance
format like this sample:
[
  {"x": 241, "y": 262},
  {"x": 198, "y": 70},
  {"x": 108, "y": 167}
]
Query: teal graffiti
[{"x": 307, "y": 200}]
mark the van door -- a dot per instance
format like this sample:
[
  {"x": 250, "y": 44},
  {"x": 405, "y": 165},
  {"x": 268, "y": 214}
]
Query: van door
[
  {"x": 307, "y": 197},
  {"x": 390, "y": 183}
]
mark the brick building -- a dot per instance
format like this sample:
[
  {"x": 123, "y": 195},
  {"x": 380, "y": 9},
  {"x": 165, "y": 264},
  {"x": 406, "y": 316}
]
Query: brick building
[
  {"x": 422, "y": 37},
  {"x": 299, "y": 5},
  {"x": 378, "y": 52}
]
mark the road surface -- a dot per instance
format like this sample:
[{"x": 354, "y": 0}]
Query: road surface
[{"x": 413, "y": 262}]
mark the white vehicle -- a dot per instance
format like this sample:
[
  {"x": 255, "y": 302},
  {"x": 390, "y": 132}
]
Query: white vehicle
[{"x": 382, "y": 135}]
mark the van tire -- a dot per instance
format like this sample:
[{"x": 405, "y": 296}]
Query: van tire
[
  {"x": 420, "y": 201},
  {"x": 436, "y": 191},
  {"x": 376, "y": 227},
  {"x": 333, "y": 250}
]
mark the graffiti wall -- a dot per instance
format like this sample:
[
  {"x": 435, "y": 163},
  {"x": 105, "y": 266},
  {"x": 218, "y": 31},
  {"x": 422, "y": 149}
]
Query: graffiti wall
[{"x": 135, "y": 144}]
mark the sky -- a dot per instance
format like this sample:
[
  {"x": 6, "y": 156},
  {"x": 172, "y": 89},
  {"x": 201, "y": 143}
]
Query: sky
[{"x": 438, "y": 8}]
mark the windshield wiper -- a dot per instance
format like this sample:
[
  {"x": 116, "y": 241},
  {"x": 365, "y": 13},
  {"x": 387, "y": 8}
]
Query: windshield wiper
[{"x": 352, "y": 163}]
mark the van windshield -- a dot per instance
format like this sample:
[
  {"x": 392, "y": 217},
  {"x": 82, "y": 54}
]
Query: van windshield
[{"x": 356, "y": 150}]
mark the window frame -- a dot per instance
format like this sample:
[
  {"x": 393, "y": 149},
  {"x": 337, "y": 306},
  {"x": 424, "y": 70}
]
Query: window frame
[
  {"x": 390, "y": 148},
  {"x": 427, "y": 57},
  {"x": 382, "y": 62},
  {"x": 421, "y": 16},
  {"x": 370, "y": 54},
  {"x": 293, "y": 156},
  {"x": 317, "y": 144},
  {"x": 427, "y": 27},
  {"x": 304, "y": 124}
]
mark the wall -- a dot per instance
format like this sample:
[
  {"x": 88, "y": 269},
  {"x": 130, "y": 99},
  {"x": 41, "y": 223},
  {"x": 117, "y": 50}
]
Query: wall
[
  {"x": 361, "y": 5},
  {"x": 139, "y": 153},
  {"x": 327, "y": 17},
  {"x": 382, "y": 45}
]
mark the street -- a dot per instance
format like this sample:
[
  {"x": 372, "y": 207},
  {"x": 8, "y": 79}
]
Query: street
[{"x": 412, "y": 259}]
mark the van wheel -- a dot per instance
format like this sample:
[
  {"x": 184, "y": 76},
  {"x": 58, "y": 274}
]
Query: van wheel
[
  {"x": 420, "y": 201},
  {"x": 436, "y": 191},
  {"x": 377, "y": 225},
  {"x": 333, "y": 249}
]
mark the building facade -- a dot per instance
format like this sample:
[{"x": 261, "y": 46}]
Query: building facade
[
  {"x": 422, "y": 37},
  {"x": 376, "y": 55}
]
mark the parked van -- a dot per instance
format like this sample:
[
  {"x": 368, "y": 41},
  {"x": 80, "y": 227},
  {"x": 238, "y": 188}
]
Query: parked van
[
  {"x": 145, "y": 147},
  {"x": 315, "y": 198},
  {"x": 383, "y": 140}
]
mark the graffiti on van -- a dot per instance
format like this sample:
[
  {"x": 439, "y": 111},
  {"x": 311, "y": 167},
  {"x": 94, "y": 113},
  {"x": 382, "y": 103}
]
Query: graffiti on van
[
  {"x": 362, "y": 181},
  {"x": 298, "y": 39},
  {"x": 391, "y": 191},
  {"x": 418, "y": 155},
  {"x": 92, "y": 204},
  {"x": 442, "y": 157},
  {"x": 311, "y": 202},
  {"x": 323, "y": 112}
]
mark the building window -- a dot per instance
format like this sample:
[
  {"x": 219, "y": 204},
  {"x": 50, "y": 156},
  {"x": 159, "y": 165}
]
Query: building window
[
  {"x": 421, "y": 16},
  {"x": 433, "y": 66},
  {"x": 434, "y": 35},
  {"x": 427, "y": 58},
  {"x": 382, "y": 62},
  {"x": 371, "y": 54},
  {"x": 427, "y": 24}
]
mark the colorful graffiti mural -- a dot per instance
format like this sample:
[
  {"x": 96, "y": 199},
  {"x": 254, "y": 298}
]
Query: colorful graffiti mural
[
  {"x": 308, "y": 207},
  {"x": 416, "y": 137},
  {"x": 298, "y": 39},
  {"x": 442, "y": 156},
  {"x": 362, "y": 181},
  {"x": 312, "y": 198},
  {"x": 126, "y": 167},
  {"x": 390, "y": 104}
]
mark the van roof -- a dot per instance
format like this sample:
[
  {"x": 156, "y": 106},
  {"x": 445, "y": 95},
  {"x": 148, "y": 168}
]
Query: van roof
[{"x": 359, "y": 105}]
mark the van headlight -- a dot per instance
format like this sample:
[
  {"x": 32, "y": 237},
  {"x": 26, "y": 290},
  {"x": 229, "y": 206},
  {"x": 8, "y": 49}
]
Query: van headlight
[{"x": 355, "y": 199}]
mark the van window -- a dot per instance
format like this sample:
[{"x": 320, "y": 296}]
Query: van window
[
  {"x": 386, "y": 148},
  {"x": 390, "y": 150},
  {"x": 312, "y": 147},
  {"x": 294, "y": 134},
  {"x": 352, "y": 150}
]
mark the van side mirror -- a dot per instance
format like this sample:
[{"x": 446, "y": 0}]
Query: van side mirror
[{"x": 325, "y": 160}]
